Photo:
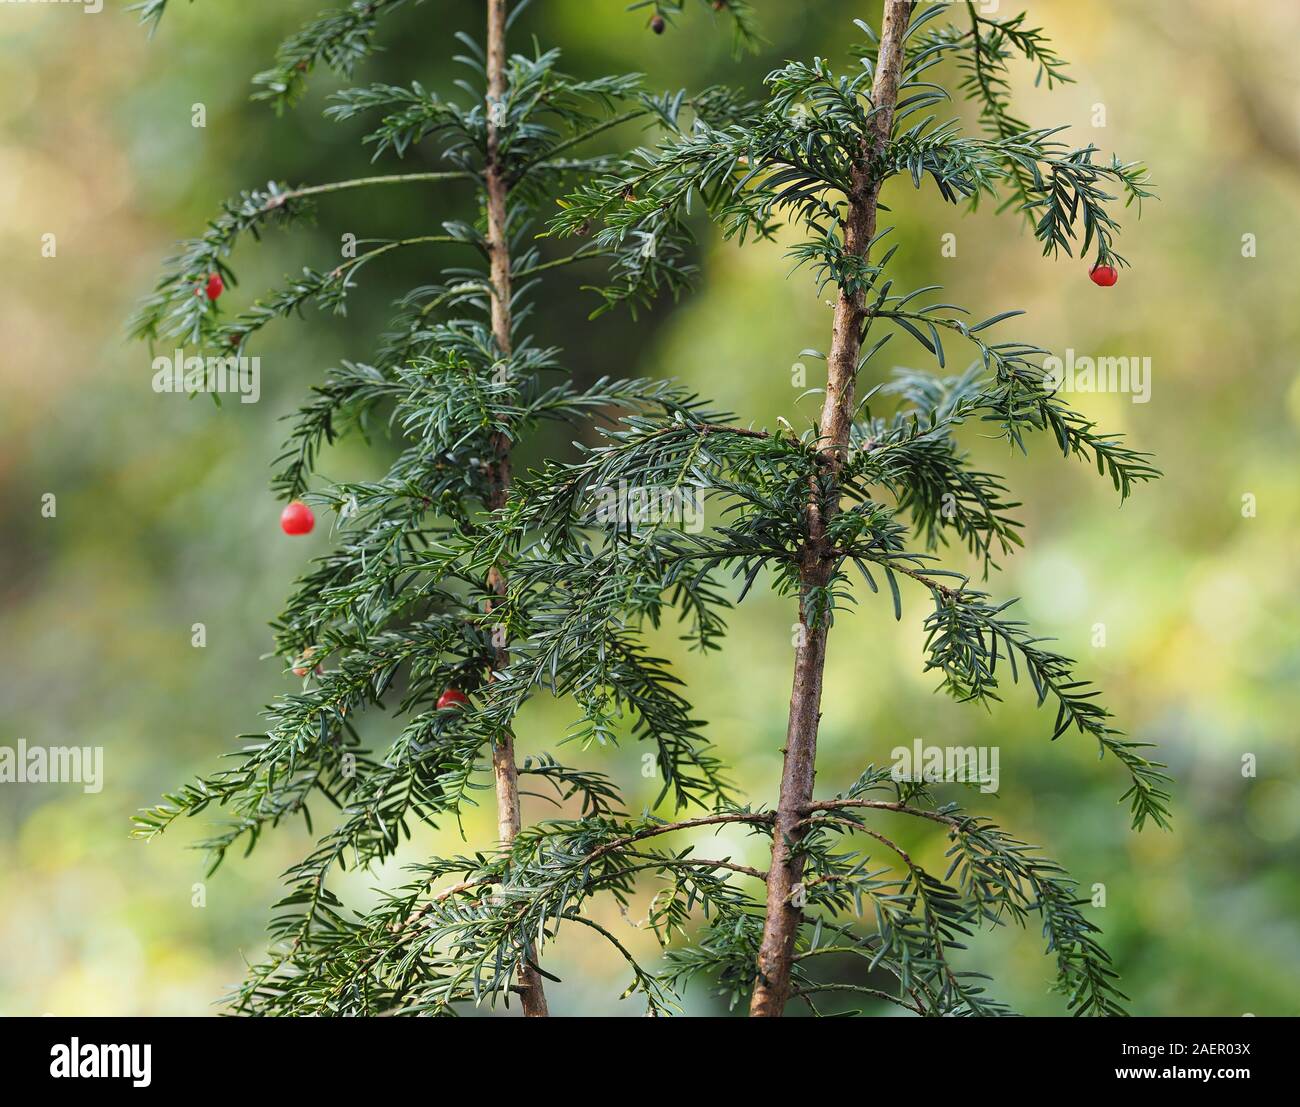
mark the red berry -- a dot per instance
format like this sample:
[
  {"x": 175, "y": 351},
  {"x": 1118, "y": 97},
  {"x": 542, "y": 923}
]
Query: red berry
[
  {"x": 297, "y": 518},
  {"x": 452, "y": 697},
  {"x": 657, "y": 24},
  {"x": 216, "y": 286},
  {"x": 1104, "y": 275}
]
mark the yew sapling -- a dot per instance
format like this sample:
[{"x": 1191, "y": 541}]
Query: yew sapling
[{"x": 458, "y": 590}]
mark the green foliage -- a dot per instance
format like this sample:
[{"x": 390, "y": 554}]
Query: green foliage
[{"x": 404, "y": 606}]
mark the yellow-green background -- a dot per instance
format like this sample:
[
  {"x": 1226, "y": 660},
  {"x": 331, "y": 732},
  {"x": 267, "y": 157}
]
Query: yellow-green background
[{"x": 164, "y": 518}]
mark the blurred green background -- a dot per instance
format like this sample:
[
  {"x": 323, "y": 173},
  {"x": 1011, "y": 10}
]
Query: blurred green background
[{"x": 164, "y": 518}]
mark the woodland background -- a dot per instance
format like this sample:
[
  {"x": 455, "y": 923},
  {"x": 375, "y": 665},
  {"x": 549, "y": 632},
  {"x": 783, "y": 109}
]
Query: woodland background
[{"x": 165, "y": 518}]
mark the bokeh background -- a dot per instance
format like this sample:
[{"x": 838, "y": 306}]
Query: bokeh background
[{"x": 165, "y": 520}]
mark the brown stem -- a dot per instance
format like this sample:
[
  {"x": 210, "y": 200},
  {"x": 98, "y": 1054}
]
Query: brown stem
[
  {"x": 669, "y": 828},
  {"x": 504, "y": 768},
  {"x": 886, "y": 805},
  {"x": 781, "y": 926}
]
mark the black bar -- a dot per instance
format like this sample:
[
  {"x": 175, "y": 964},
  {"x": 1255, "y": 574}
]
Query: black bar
[{"x": 1079, "y": 1054}]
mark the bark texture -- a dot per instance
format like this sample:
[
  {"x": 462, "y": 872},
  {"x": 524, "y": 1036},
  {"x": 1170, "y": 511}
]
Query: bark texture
[
  {"x": 781, "y": 926},
  {"x": 504, "y": 767}
]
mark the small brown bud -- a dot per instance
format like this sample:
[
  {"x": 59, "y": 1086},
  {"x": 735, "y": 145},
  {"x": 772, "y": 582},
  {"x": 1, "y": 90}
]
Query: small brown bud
[
  {"x": 657, "y": 24},
  {"x": 302, "y": 666}
]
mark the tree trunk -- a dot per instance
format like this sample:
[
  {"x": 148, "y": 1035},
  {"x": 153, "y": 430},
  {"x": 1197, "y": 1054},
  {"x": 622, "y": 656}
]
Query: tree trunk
[
  {"x": 503, "y": 750},
  {"x": 781, "y": 926}
]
